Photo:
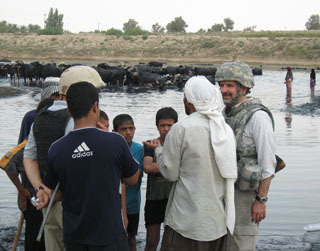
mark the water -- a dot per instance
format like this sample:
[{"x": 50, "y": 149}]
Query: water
[{"x": 294, "y": 199}]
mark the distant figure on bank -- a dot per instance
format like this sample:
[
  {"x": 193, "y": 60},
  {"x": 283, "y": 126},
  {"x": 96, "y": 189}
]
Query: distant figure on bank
[
  {"x": 312, "y": 81},
  {"x": 288, "y": 81}
]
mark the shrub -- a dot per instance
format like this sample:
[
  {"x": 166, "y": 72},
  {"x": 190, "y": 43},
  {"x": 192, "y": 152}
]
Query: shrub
[
  {"x": 208, "y": 44},
  {"x": 50, "y": 31},
  {"x": 114, "y": 32},
  {"x": 135, "y": 32}
]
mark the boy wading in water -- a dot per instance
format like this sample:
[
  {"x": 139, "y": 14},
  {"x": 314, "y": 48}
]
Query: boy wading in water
[
  {"x": 158, "y": 188},
  {"x": 124, "y": 125}
]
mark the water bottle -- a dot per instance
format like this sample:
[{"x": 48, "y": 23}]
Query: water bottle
[{"x": 312, "y": 227}]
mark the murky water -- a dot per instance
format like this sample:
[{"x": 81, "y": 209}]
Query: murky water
[{"x": 294, "y": 199}]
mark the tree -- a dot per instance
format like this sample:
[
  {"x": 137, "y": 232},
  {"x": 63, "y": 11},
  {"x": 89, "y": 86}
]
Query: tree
[
  {"x": 23, "y": 29},
  {"x": 177, "y": 25},
  {"x": 250, "y": 28},
  {"x": 131, "y": 24},
  {"x": 313, "y": 23},
  {"x": 216, "y": 28},
  {"x": 33, "y": 28},
  {"x": 201, "y": 31},
  {"x": 3, "y": 27},
  {"x": 54, "y": 23},
  {"x": 114, "y": 32},
  {"x": 157, "y": 28},
  {"x": 228, "y": 24}
]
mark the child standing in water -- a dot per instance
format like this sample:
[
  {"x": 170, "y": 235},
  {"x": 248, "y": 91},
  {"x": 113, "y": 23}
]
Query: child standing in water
[
  {"x": 312, "y": 81},
  {"x": 288, "y": 81},
  {"x": 124, "y": 125}
]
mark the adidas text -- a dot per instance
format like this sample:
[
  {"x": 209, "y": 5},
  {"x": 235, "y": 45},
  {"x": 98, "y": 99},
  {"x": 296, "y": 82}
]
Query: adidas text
[{"x": 83, "y": 154}]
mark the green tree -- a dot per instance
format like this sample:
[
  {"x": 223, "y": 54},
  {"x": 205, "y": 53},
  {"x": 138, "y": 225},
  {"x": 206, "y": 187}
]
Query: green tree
[
  {"x": 201, "y": 31},
  {"x": 216, "y": 28},
  {"x": 228, "y": 24},
  {"x": 13, "y": 28},
  {"x": 3, "y": 27},
  {"x": 114, "y": 32},
  {"x": 135, "y": 32},
  {"x": 177, "y": 25},
  {"x": 23, "y": 29},
  {"x": 157, "y": 28},
  {"x": 54, "y": 23},
  {"x": 313, "y": 23},
  {"x": 33, "y": 28},
  {"x": 250, "y": 28},
  {"x": 131, "y": 24}
]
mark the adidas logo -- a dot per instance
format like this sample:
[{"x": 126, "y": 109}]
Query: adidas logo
[{"x": 82, "y": 151}]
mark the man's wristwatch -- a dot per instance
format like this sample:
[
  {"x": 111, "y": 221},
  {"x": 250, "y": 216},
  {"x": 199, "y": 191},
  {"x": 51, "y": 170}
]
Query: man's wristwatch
[
  {"x": 38, "y": 189},
  {"x": 262, "y": 199}
]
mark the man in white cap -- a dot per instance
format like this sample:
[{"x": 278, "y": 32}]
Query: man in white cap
[
  {"x": 50, "y": 125},
  {"x": 33, "y": 218},
  {"x": 199, "y": 156}
]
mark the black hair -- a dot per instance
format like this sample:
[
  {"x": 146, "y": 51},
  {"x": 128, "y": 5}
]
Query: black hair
[
  {"x": 166, "y": 113},
  {"x": 44, "y": 103},
  {"x": 80, "y": 98},
  {"x": 121, "y": 119},
  {"x": 103, "y": 115}
]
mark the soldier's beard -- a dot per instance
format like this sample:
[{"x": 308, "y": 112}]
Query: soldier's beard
[{"x": 227, "y": 99}]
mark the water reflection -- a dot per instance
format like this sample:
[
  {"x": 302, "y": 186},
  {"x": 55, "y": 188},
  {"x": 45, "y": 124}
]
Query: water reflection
[
  {"x": 288, "y": 115},
  {"x": 292, "y": 203}
]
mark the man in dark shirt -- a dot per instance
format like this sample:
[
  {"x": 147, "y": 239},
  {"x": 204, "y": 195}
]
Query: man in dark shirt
[{"x": 89, "y": 165}]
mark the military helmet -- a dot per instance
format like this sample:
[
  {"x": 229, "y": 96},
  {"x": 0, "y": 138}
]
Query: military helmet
[{"x": 235, "y": 71}]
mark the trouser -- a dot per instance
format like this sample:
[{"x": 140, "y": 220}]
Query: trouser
[
  {"x": 33, "y": 219},
  {"x": 118, "y": 245},
  {"x": 172, "y": 241},
  {"x": 245, "y": 231},
  {"x": 53, "y": 229}
]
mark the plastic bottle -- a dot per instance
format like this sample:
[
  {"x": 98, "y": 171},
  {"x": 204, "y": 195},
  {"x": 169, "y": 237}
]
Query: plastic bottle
[{"x": 312, "y": 227}]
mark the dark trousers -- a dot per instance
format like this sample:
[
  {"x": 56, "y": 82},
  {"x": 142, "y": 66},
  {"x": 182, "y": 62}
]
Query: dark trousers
[
  {"x": 33, "y": 219},
  {"x": 173, "y": 241},
  {"x": 121, "y": 245}
]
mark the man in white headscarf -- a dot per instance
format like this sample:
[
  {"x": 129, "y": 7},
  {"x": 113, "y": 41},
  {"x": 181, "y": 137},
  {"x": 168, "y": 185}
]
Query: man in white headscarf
[{"x": 199, "y": 155}]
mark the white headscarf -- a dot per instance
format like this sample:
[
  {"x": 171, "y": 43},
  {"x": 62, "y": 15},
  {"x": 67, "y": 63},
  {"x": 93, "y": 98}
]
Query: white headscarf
[{"x": 207, "y": 100}]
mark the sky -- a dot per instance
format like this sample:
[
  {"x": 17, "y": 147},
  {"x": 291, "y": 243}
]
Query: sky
[{"x": 89, "y": 15}]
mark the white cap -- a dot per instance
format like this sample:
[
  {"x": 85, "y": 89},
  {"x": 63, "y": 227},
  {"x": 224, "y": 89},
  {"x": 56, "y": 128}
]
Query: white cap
[
  {"x": 51, "y": 81},
  {"x": 50, "y": 86},
  {"x": 79, "y": 73}
]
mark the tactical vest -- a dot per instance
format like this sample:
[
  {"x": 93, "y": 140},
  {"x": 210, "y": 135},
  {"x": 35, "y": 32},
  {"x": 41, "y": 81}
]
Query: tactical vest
[
  {"x": 237, "y": 118},
  {"x": 47, "y": 128}
]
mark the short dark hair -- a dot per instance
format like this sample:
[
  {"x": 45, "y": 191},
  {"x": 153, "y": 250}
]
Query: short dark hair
[
  {"x": 80, "y": 98},
  {"x": 103, "y": 115},
  {"x": 166, "y": 113},
  {"x": 44, "y": 103},
  {"x": 121, "y": 119}
]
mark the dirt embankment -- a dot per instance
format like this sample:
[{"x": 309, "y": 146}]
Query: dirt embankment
[{"x": 175, "y": 48}]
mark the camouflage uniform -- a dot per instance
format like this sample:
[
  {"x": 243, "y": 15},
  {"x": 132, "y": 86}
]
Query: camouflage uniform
[{"x": 244, "y": 236}]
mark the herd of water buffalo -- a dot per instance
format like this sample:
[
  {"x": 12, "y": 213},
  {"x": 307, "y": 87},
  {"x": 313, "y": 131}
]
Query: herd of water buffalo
[{"x": 151, "y": 74}]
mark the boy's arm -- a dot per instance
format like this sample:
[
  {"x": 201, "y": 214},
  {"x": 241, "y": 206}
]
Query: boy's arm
[
  {"x": 132, "y": 180},
  {"x": 149, "y": 166},
  {"x": 24, "y": 195},
  {"x": 124, "y": 205}
]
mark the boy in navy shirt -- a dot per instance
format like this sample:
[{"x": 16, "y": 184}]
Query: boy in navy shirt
[
  {"x": 124, "y": 125},
  {"x": 89, "y": 165}
]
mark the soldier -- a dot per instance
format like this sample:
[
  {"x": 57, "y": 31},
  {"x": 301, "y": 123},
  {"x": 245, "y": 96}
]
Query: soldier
[{"x": 253, "y": 126}]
